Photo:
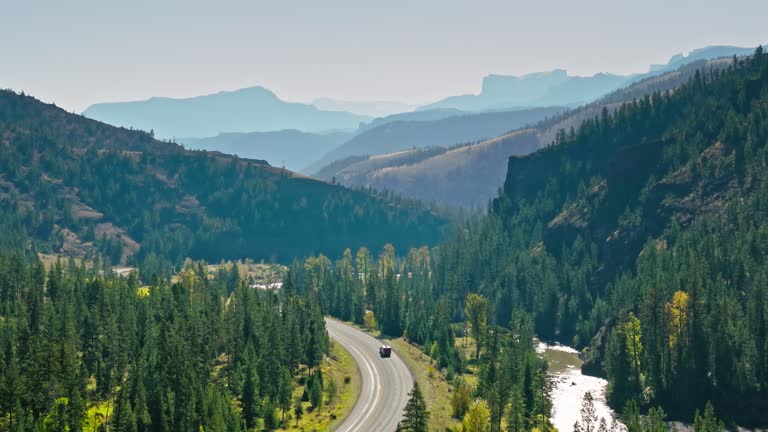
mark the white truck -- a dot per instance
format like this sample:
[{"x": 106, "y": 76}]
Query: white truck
[{"x": 385, "y": 351}]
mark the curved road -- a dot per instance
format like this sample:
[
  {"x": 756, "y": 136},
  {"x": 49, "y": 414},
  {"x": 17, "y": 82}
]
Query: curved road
[{"x": 385, "y": 382}]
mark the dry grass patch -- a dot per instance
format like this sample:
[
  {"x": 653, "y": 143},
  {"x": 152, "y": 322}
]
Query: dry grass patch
[{"x": 437, "y": 390}]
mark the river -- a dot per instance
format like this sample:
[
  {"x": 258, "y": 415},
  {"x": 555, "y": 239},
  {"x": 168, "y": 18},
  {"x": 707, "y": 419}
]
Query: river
[{"x": 568, "y": 385}]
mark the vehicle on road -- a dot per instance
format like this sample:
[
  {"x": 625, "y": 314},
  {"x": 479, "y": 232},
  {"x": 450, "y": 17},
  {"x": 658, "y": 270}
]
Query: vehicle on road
[{"x": 385, "y": 351}]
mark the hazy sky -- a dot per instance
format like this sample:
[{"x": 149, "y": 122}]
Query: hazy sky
[{"x": 78, "y": 52}]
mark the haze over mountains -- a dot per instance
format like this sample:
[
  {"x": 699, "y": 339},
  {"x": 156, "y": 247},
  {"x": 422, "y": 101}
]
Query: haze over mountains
[
  {"x": 469, "y": 175},
  {"x": 253, "y": 109},
  {"x": 558, "y": 88},
  {"x": 623, "y": 215},
  {"x": 536, "y": 89},
  {"x": 400, "y": 135},
  {"x": 290, "y": 148},
  {"x": 366, "y": 108},
  {"x": 269, "y": 198},
  {"x": 314, "y": 139}
]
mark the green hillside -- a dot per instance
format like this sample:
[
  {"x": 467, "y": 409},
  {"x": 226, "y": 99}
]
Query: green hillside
[
  {"x": 641, "y": 236},
  {"x": 667, "y": 195},
  {"x": 74, "y": 185}
]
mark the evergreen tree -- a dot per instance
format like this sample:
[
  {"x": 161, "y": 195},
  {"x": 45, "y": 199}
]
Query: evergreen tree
[
  {"x": 316, "y": 391},
  {"x": 707, "y": 422},
  {"x": 416, "y": 415},
  {"x": 476, "y": 311}
]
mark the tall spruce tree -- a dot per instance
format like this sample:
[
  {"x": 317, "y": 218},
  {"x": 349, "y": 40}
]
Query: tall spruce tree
[{"x": 416, "y": 415}]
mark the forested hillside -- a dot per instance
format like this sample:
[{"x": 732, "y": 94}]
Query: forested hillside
[
  {"x": 74, "y": 185},
  {"x": 646, "y": 225},
  {"x": 641, "y": 234},
  {"x": 81, "y": 352}
]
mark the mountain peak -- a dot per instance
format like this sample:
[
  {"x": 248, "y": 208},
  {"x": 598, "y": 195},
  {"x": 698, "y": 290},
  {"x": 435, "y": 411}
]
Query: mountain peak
[
  {"x": 558, "y": 88},
  {"x": 555, "y": 73},
  {"x": 251, "y": 91},
  {"x": 249, "y": 109},
  {"x": 704, "y": 53}
]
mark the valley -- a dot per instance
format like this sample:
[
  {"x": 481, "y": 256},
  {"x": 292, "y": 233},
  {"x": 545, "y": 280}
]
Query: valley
[{"x": 316, "y": 216}]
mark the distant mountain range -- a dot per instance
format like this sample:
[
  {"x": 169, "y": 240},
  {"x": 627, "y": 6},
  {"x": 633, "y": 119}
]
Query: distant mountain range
[
  {"x": 559, "y": 88},
  {"x": 536, "y": 89},
  {"x": 290, "y": 148},
  {"x": 253, "y": 109},
  {"x": 308, "y": 152},
  {"x": 470, "y": 175},
  {"x": 313, "y": 138},
  {"x": 706, "y": 53},
  {"x": 371, "y": 109},
  {"x": 420, "y": 115},
  {"x": 398, "y": 135}
]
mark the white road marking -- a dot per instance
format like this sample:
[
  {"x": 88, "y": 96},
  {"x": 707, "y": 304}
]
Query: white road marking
[{"x": 384, "y": 382}]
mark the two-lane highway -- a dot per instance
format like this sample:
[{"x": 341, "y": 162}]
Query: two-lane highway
[{"x": 385, "y": 382}]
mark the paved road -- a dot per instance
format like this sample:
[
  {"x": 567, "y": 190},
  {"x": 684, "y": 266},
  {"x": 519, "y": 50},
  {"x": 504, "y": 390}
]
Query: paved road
[{"x": 384, "y": 386}]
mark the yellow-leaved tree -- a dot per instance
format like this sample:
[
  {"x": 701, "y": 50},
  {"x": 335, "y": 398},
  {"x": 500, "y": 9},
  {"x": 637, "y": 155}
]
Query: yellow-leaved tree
[
  {"x": 478, "y": 418},
  {"x": 677, "y": 317}
]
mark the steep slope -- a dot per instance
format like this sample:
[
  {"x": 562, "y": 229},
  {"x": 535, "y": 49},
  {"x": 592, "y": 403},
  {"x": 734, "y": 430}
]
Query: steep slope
[
  {"x": 557, "y": 88},
  {"x": 646, "y": 225},
  {"x": 421, "y": 115},
  {"x": 290, "y": 148},
  {"x": 70, "y": 183},
  {"x": 253, "y": 109},
  {"x": 398, "y": 135},
  {"x": 329, "y": 171},
  {"x": 464, "y": 177}
]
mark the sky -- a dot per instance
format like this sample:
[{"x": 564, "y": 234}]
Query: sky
[{"x": 79, "y": 52}]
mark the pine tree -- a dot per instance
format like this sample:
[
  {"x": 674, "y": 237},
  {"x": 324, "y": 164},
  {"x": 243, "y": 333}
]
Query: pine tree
[
  {"x": 316, "y": 391},
  {"x": 250, "y": 397},
  {"x": 588, "y": 414},
  {"x": 516, "y": 411},
  {"x": 330, "y": 390},
  {"x": 298, "y": 409},
  {"x": 416, "y": 415},
  {"x": 632, "y": 332},
  {"x": 286, "y": 391},
  {"x": 654, "y": 421},
  {"x": 476, "y": 311},
  {"x": 124, "y": 419},
  {"x": 708, "y": 422}
]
